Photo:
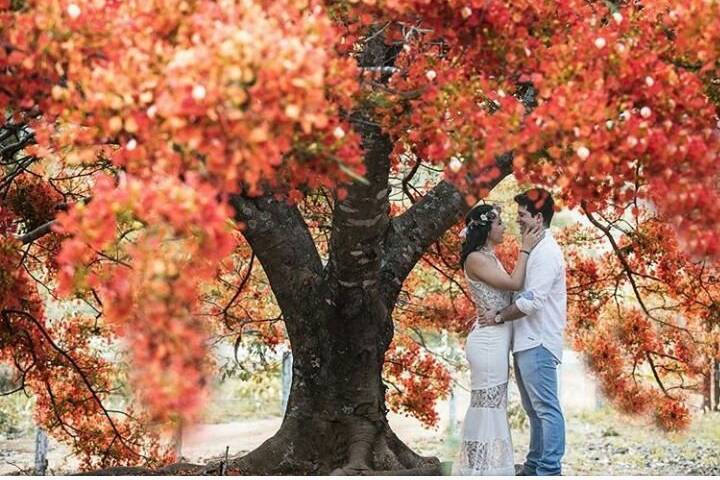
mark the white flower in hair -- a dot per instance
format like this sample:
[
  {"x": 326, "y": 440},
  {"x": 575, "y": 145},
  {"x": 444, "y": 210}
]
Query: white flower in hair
[{"x": 483, "y": 219}]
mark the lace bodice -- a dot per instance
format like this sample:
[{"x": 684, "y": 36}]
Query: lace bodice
[{"x": 485, "y": 295}]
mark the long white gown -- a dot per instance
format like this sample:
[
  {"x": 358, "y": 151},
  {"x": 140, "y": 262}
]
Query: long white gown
[{"x": 486, "y": 447}]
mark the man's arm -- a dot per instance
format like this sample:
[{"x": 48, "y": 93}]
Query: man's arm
[
  {"x": 537, "y": 289},
  {"x": 510, "y": 313},
  {"x": 507, "y": 314}
]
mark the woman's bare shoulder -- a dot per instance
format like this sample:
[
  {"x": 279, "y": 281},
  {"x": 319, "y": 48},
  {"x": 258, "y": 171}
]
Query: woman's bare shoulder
[{"x": 479, "y": 260}]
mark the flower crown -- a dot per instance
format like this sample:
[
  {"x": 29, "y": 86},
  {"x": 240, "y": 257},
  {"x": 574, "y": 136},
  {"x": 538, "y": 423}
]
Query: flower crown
[{"x": 483, "y": 219}]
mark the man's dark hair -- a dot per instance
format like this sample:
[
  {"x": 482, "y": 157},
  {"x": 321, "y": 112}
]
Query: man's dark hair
[{"x": 537, "y": 200}]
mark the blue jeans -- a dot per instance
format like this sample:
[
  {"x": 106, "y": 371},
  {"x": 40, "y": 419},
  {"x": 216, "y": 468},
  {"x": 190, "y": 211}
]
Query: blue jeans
[{"x": 536, "y": 374}]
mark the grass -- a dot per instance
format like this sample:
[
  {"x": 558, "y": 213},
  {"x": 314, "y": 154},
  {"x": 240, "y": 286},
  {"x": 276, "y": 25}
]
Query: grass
[
  {"x": 15, "y": 415},
  {"x": 237, "y": 399}
]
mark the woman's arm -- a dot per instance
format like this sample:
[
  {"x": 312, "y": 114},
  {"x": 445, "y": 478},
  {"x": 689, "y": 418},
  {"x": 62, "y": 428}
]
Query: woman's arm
[{"x": 486, "y": 269}]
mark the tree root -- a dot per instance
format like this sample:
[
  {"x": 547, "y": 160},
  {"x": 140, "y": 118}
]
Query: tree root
[
  {"x": 292, "y": 451},
  {"x": 314, "y": 446}
]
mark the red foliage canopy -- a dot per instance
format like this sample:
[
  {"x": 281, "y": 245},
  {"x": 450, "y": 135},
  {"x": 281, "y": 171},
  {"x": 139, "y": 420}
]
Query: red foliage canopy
[{"x": 142, "y": 117}]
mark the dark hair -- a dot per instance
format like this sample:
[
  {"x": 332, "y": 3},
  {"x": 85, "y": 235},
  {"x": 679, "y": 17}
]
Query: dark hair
[
  {"x": 537, "y": 200},
  {"x": 477, "y": 230}
]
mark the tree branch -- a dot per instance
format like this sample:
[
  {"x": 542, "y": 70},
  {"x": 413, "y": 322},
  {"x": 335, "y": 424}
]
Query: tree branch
[
  {"x": 39, "y": 232},
  {"x": 412, "y": 233},
  {"x": 407, "y": 178},
  {"x": 282, "y": 242},
  {"x": 655, "y": 374},
  {"x": 78, "y": 370},
  {"x": 629, "y": 272},
  {"x": 360, "y": 220}
]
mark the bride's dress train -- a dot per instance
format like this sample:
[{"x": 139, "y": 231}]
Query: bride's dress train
[{"x": 486, "y": 447}]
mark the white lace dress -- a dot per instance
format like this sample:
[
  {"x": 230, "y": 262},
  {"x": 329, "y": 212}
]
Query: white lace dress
[{"x": 486, "y": 447}]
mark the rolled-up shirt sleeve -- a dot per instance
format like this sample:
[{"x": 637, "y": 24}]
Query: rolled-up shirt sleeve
[{"x": 538, "y": 285}]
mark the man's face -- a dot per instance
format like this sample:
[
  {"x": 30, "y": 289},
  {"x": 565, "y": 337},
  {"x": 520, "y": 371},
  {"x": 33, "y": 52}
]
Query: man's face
[{"x": 526, "y": 220}]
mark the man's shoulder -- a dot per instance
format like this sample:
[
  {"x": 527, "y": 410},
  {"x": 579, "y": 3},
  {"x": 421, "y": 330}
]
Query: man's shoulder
[
  {"x": 549, "y": 253},
  {"x": 548, "y": 244},
  {"x": 553, "y": 245}
]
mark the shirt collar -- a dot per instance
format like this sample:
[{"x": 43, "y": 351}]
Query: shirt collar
[{"x": 547, "y": 234}]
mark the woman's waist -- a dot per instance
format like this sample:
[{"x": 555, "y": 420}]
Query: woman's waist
[
  {"x": 482, "y": 308},
  {"x": 492, "y": 329}
]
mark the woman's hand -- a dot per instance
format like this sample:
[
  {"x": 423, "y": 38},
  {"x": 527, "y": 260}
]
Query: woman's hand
[{"x": 531, "y": 237}]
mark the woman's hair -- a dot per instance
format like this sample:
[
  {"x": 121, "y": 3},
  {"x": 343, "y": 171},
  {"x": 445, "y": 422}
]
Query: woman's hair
[{"x": 478, "y": 223}]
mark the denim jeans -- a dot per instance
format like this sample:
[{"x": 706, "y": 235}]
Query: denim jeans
[{"x": 536, "y": 374}]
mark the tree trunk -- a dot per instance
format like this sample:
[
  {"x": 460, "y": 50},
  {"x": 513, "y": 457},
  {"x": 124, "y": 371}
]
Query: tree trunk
[
  {"x": 339, "y": 322},
  {"x": 336, "y": 418},
  {"x": 708, "y": 387},
  {"x": 339, "y": 326}
]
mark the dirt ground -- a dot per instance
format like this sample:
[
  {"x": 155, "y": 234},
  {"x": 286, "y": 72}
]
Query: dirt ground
[
  {"x": 199, "y": 444},
  {"x": 599, "y": 442}
]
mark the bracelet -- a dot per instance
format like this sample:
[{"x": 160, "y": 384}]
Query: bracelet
[{"x": 525, "y": 251}]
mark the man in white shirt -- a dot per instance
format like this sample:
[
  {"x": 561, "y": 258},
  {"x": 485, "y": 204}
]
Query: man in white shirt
[{"x": 539, "y": 313}]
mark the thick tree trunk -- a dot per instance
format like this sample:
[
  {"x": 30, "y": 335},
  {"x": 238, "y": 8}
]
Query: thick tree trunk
[
  {"x": 339, "y": 326},
  {"x": 315, "y": 447},
  {"x": 336, "y": 418}
]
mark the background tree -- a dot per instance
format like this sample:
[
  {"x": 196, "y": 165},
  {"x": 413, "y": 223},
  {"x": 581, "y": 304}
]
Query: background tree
[{"x": 190, "y": 140}]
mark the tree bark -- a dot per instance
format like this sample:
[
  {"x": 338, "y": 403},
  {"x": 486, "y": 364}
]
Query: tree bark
[
  {"x": 327, "y": 431},
  {"x": 339, "y": 330}
]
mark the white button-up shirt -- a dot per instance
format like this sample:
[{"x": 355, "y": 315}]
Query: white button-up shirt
[{"x": 543, "y": 300}]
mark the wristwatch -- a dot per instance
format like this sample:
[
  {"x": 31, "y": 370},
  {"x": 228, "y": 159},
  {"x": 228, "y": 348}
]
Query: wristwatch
[{"x": 498, "y": 318}]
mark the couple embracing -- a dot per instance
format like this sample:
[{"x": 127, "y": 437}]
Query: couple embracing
[{"x": 524, "y": 313}]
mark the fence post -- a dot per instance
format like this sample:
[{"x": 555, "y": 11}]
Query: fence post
[
  {"x": 286, "y": 378},
  {"x": 178, "y": 441},
  {"x": 453, "y": 411},
  {"x": 715, "y": 386},
  {"x": 41, "y": 449}
]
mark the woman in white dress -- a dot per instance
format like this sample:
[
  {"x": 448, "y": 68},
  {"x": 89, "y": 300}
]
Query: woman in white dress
[{"x": 486, "y": 447}]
